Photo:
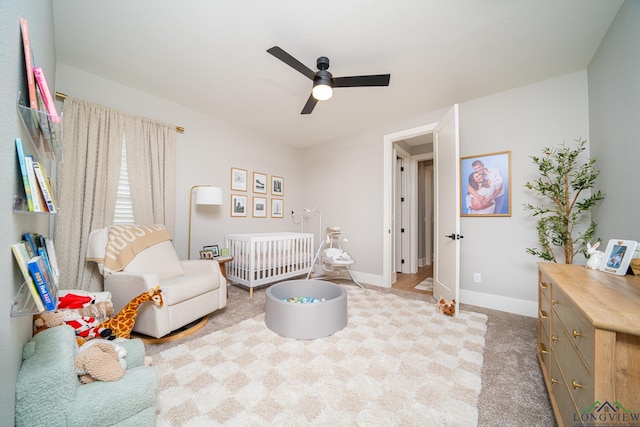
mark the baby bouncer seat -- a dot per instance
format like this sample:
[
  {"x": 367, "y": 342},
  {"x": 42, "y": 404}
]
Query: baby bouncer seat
[{"x": 332, "y": 260}]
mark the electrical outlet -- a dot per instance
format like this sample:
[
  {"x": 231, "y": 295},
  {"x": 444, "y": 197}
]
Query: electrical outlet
[{"x": 477, "y": 277}]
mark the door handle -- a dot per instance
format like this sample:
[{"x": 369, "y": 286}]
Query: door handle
[{"x": 455, "y": 236}]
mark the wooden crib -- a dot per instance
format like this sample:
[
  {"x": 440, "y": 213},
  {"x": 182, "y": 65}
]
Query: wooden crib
[{"x": 263, "y": 258}]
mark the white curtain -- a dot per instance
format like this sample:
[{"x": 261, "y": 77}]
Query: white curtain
[{"x": 88, "y": 181}]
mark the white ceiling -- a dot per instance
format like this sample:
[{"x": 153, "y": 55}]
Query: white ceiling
[{"x": 210, "y": 55}]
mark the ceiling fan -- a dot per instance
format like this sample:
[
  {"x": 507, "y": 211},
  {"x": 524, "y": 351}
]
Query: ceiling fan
[{"x": 323, "y": 81}]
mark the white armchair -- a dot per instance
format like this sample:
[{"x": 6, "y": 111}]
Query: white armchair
[{"x": 190, "y": 289}]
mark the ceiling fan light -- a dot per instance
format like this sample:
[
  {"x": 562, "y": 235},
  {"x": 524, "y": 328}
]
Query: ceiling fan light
[{"x": 322, "y": 91}]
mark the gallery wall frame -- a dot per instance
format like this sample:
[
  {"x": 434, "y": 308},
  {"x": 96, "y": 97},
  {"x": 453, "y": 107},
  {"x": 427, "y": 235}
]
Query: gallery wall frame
[
  {"x": 238, "y": 179},
  {"x": 277, "y": 185},
  {"x": 259, "y": 207},
  {"x": 238, "y": 205},
  {"x": 277, "y": 208},
  {"x": 485, "y": 185},
  {"x": 259, "y": 183}
]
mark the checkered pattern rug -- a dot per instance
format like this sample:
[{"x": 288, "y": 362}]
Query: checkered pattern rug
[{"x": 397, "y": 362}]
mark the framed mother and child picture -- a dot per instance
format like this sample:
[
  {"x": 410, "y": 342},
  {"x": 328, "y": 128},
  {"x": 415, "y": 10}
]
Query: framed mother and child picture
[{"x": 486, "y": 184}]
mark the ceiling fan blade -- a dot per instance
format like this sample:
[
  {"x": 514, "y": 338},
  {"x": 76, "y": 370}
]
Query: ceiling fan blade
[
  {"x": 356, "y": 81},
  {"x": 291, "y": 61},
  {"x": 309, "y": 106}
]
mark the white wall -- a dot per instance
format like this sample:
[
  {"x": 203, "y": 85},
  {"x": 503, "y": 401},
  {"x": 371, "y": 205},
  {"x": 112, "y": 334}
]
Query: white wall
[
  {"x": 206, "y": 151},
  {"x": 614, "y": 109},
  {"x": 344, "y": 178},
  {"x": 15, "y": 331},
  {"x": 523, "y": 120}
]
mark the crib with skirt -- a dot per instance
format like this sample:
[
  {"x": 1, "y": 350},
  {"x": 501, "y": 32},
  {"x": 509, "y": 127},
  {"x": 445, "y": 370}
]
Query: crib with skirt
[{"x": 263, "y": 258}]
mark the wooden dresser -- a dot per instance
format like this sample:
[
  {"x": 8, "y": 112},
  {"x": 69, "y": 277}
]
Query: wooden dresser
[{"x": 589, "y": 344}]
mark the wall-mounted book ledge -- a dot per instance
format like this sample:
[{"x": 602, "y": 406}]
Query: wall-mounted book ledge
[{"x": 39, "y": 123}]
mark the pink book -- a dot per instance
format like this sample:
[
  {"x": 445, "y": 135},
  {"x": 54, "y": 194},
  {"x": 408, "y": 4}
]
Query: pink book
[
  {"x": 46, "y": 94},
  {"x": 24, "y": 26}
]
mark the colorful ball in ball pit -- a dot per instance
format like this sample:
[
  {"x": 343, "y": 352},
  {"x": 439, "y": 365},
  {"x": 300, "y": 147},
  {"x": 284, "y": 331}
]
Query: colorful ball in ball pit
[{"x": 303, "y": 300}]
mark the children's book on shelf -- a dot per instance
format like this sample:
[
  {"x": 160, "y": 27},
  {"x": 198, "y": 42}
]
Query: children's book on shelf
[
  {"x": 44, "y": 283},
  {"x": 24, "y": 172},
  {"x": 32, "y": 246},
  {"x": 44, "y": 186},
  {"x": 33, "y": 185},
  {"x": 41, "y": 80},
  {"x": 22, "y": 258},
  {"x": 28, "y": 59},
  {"x": 53, "y": 258}
]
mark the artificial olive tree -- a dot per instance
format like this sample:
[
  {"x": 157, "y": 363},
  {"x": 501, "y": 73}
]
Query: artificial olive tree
[{"x": 562, "y": 182}]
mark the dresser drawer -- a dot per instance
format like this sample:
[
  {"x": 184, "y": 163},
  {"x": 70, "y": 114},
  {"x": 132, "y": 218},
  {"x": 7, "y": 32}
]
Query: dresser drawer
[
  {"x": 568, "y": 412},
  {"x": 577, "y": 376},
  {"x": 579, "y": 329}
]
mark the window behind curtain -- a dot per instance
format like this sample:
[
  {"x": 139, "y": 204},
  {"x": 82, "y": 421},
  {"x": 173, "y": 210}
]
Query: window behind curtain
[{"x": 124, "y": 209}]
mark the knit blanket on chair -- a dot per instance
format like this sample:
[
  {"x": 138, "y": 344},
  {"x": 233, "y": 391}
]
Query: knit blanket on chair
[{"x": 126, "y": 241}]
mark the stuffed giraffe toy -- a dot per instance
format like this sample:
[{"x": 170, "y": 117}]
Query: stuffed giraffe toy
[{"x": 122, "y": 323}]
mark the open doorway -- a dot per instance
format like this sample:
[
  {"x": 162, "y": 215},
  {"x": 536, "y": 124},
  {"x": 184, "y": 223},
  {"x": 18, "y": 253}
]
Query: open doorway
[
  {"x": 446, "y": 204},
  {"x": 414, "y": 213}
]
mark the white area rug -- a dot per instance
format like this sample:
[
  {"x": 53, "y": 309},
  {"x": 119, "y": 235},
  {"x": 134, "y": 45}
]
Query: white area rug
[
  {"x": 397, "y": 362},
  {"x": 425, "y": 285}
]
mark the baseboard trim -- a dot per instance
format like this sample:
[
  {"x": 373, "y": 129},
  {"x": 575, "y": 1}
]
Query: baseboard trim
[
  {"x": 497, "y": 302},
  {"x": 371, "y": 279},
  {"x": 479, "y": 299}
]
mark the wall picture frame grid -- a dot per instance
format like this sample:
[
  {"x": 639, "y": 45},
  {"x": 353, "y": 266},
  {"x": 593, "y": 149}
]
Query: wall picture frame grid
[{"x": 259, "y": 186}]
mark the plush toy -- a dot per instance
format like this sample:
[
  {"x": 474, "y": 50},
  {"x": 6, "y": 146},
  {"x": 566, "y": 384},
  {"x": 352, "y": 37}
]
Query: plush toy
[
  {"x": 447, "y": 307},
  {"x": 122, "y": 323},
  {"x": 100, "y": 360},
  {"x": 87, "y": 328},
  {"x": 84, "y": 320}
]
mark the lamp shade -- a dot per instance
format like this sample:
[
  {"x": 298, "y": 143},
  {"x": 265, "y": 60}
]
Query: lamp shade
[{"x": 209, "y": 196}]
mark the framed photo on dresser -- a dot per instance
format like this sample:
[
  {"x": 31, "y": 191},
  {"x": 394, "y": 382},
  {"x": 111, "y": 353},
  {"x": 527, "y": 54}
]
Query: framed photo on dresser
[{"x": 618, "y": 256}]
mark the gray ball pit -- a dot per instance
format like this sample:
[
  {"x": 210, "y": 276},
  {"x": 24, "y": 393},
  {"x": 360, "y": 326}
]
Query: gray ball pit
[{"x": 306, "y": 321}]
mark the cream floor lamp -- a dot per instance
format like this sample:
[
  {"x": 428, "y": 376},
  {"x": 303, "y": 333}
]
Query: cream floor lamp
[{"x": 205, "y": 195}]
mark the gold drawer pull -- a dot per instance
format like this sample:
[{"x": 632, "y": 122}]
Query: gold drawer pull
[
  {"x": 543, "y": 314},
  {"x": 554, "y": 338},
  {"x": 543, "y": 348},
  {"x": 575, "y": 384},
  {"x": 554, "y": 301},
  {"x": 554, "y": 381},
  {"x": 544, "y": 285},
  {"x": 576, "y": 334}
]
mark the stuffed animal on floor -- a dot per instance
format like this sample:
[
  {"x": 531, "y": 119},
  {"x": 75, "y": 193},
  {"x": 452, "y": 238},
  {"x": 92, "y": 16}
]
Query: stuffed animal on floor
[
  {"x": 447, "y": 307},
  {"x": 122, "y": 323},
  {"x": 100, "y": 360}
]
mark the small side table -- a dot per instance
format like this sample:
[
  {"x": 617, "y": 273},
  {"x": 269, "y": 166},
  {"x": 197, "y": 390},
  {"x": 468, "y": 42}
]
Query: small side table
[{"x": 222, "y": 260}]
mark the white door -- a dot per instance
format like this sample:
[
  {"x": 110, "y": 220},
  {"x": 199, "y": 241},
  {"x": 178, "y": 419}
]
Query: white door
[{"x": 446, "y": 274}]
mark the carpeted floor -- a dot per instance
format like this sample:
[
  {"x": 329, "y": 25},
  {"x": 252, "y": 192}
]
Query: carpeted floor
[
  {"x": 513, "y": 392},
  {"x": 374, "y": 371}
]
